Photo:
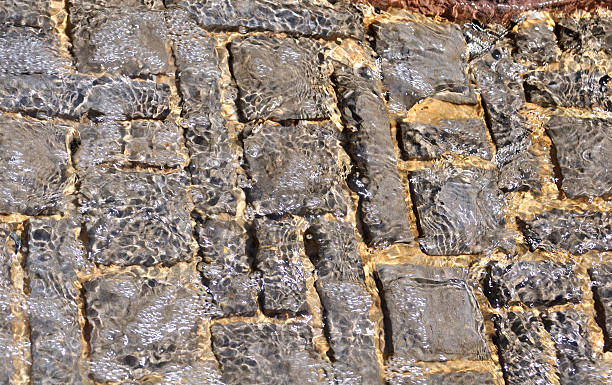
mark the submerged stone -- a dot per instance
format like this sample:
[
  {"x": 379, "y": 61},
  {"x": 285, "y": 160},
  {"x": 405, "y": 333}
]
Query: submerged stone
[
  {"x": 583, "y": 150},
  {"x": 280, "y": 79},
  {"x": 34, "y": 162},
  {"x": 26, "y": 50},
  {"x": 294, "y": 169},
  {"x": 433, "y": 314},
  {"x": 601, "y": 276},
  {"x": 459, "y": 210},
  {"x": 374, "y": 176},
  {"x": 587, "y": 33},
  {"x": 570, "y": 230},
  {"x": 422, "y": 59},
  {"x": 535, "y": 42},
  {"x": 136, "y": 218},
  {"x": 8, "y": 347},
  {"x": 454, "y": 378},
  {"x": 27, "y": 13},
  {"x": 425, "y": 141}
]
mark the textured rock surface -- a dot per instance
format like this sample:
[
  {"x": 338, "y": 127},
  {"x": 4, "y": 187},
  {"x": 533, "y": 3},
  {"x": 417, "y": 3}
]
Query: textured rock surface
[
  {"x": 524, "y": 358},
  {"x": 280, "y": 79},
  {"x": 570, "y": 230},
  {"x": 410, "y": 52},
  {"x": 136, "y": 218},
  {"x": 25, "y": 50},
  {"x": 541, "y": 283},
  {"x": 601, "y": 276},
  {"x": 55, "y": 255},
  {"x": 147, "y": 324},
  {"x": 458, "y": 378},
  {"x": 374, "y": 175},
  {"x": 8, "y": 347},
  {"x": 583, "y": 149},
  {"x": 226, "y": 267},
  {"x": 34, "y": 162},
  {"x": 294, "y": 169},
  {"x": 31, "y": 13},
  {"x": 583, "y": 34},
  {"x": 536, "y": 42},
  {"x": 424, "y": 141},
  {"x": 459, "y": 210},
  {"x": 422, "y": 304}
]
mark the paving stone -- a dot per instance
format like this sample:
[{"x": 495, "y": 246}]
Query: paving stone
[
  {"x": 453, "y": 378},
  {"x": 582, "y": 89},
  {"x": 422, "y": 59},
  {"x": 25, "y": 50},
  {"x": 432, "y": 314},
  {"x": 294, "y": 168},
  {"x": 267, "y": 353},
  {"x": 542, "y": 283},
  {"x": 8, "y": 347},
  {"x": 368, "y": 142},
  {"x": 145, "y": 324},
  {"x": 284, "y": 274},
  {"x": 601, "y": 276},
  {"x": 54, "y": 257},
  {"x": 575, "y": 359},
  {"x": 280, "y": 78},
  {"x": 425, "y": 141},
  {"x": 583, "y": 150},
  {"x": 459, "y": 210},
  {"x": 136, "y": 218},
  {"x": 523, "y": 357},
  {"x": 535, "y": 42},
  {"x": 34, "y": 163},
  {"x": 126, "y": 41},
  {"x": 30, "y": 13},
  {"x": 589, "y": 33},
  {"x": 570, "y": 230},
  {"x": 226, "y": 267},
  {"x": 308, "y": 17}
]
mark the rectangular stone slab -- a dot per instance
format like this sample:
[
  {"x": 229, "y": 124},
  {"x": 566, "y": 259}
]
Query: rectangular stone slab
[
  {"x": 584, "y": 34},
  {"x": 535, "y": 42},
  {"x": 26, "y": 50}
]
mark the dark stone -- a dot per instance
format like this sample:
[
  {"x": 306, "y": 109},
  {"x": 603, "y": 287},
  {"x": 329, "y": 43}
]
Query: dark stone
[
  {"x": 601, "y": 276},
  {"x": 27, "y": 13},
  {"x": 481, "y": 38},
  {"x": 136, "y": 218},
  {"x": 106, "y": 4},
  {"x": 34, "y": 160},
  {"x": 8, "y": 347},
  {"x": 368, "y": 142},
  {"x": 582, "y": 89},
  {"x": 280, "y": 78},
  {"x": 225, "y": 267},
  {"x": 583, "y": 150},
  {"x": 535, "y": 43},
  {"x": 523, "y": 356},
  {"x": 570, "y": 230},
  {"x": 424, "y": 141},
  {"x": 453, "y": 378},
  {"x": 125, "y": 41},
  {"x": 147, "y": 325},
  {"x": 306, "y": 17},
  {"x": 459, "y": 211},
  {"x": 586, "y": 33},
  {"x": 541, "y": 283},
  {"x": 520, "y": 174},
  {"x": 294, "y": 169},
  {"x": 26, "y": 50},
  {"x": 284, "y": 273},
  {"x": 258, "y": 353},
  {"x": 422, "y": 59},
  {"x": 432, "y": 314},
  {"x": 55, "y": 255}
]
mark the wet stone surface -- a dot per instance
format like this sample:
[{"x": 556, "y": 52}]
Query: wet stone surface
[
  {"x": 136, "y": 218},
  {"x": 302, "y": 92},
  {"x": 583, "y": 150},
  {"x": 34, "y": 161},
  {"x": 601, "y": 276},
  {"x": 425, "y": 141},
  {"x": 536, "y": 42},
  {"x": 294, "y": 169},
  {"x": 422, "y": 304},
  {"x": 584, "y": 34},
  {"x": 30, "y": 13},
  {"x": 459, "y": 378},
  {"x": 25, "y": 50},
  {"x": 8, "y": 347},
  {"x": 459, "y": 211}
]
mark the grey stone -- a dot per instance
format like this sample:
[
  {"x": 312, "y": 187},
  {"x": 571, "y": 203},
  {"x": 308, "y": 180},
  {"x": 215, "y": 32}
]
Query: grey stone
[
  {"x": 280, "y": 79},
  {"x": 8, "y": 347},
  {"x": 583, "y": 150},
  {"x": 585, "y": 33},
  {"x": 284, "y": 274},
  {"x": 374, "y": 176},
  {"x": 570, "y": 230},
  {"x": 432, "y": 314},
  {"x": 294, "y": 169},
  {"x": 30, "y": 13},
  {"x": 55, "y": 255},
  {"x": 422, "y": 59},
  {"x": 542, "y": 283},
  {"x": 601, "y": 275},
  {"x": 225, "y": 266},
  {"x": 459, "y": 210},
  {"x": 307, "y": 17},
  {"x": 424, "y": 141},
  {"x": 109, "y": 4},
  {"x": 136, "y": 218},
  {"x": 535, "y": 42},
  {"x": 521, "y": 173},
  {"x": 34, "y": 162},
  {"x": 523, "y": 357},
  {"x": 145, "y": 324},
  {"x": 453, "y": 378},
  {"x": 25, "y": 50},
  {"x": 267, "y": 354}
]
